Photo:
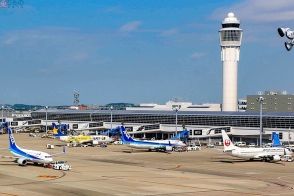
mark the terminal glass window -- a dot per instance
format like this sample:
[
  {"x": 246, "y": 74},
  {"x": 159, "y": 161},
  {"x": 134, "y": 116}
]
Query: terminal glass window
[
  {"x": 280, "y": 135},
  {"x": 129, "y": 129},
  {"x": 198, "y": 132},
  {"x": 99, "y": 124},
  {"x": 75, "y": 126},
  {"x": 14, "y": 123}
]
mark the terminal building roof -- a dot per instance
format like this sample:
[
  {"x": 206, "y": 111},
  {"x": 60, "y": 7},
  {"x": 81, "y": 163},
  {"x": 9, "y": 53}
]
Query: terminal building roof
[{"x": 206, "y": 113}]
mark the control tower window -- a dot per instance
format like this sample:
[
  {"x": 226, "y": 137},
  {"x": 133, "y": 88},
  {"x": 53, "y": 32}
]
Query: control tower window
[
  {"x": 231, "y": 35},
  {"x": 231, "y": 25}
]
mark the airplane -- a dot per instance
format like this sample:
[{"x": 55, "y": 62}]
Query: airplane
[
  {"x": 158, "y": 145},
  {"x": 272, "y": 154},
  {"x": 79, "y": 139},
  {"x": 182, "y": 135},
  {"x": 23, "y": 156},
  {"x": 289, "y": 34}
]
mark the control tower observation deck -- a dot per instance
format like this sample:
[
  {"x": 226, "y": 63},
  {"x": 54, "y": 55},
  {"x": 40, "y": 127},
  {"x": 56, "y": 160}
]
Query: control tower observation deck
[{"x": 230, "y": 42}]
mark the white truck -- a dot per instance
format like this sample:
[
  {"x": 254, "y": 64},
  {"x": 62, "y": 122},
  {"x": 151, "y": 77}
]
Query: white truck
[
  {"x": 61, "y": 165},
  {"x": 193, "y": 148}
]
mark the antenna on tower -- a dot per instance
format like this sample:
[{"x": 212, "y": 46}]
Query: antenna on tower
[{"x": 76, "y": 98}]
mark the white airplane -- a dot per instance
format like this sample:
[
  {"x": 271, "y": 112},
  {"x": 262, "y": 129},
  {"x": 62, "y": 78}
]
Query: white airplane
[
  {"x": 79, "y": 139},
  {"x": 289, "y": 34},
  {"x": 163, "y": 145},
  {"x": 23, "y": 156},
  {"x": 273, "y": 154}
]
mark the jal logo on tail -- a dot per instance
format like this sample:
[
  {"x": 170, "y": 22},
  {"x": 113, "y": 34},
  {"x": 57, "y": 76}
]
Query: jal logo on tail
[{"x": 227, "y": 142}]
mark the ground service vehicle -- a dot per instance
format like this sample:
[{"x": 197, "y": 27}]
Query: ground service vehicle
[{"x": 61, "y": 165}]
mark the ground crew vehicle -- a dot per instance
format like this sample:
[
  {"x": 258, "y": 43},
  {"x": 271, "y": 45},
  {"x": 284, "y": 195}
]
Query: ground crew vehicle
[{"x": 61, "y": 165}]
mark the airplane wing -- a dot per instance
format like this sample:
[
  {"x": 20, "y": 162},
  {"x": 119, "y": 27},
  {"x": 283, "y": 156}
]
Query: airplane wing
[
  {"x": 262, "y": 155},
  {"x": 8, "y": 157},
  {"x": 5, "y": 156},
  {"x": 268, "y": 157}
]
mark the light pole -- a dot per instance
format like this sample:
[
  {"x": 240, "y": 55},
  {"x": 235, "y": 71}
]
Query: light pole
[
  {"x": 176, "y": 109},
  {"x": 2, "y": 107},
  {"x": 46, "y": 108},
  {"x": 111, "y": 108},
  {"x": 260, "y": 101}
]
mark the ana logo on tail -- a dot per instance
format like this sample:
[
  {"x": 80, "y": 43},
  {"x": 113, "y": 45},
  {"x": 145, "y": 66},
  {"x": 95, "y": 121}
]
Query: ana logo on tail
[
  {"x": 11, "y": 139},
  {"x": 126, "y": 134}
]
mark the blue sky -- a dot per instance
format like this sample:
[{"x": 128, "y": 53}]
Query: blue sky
[{"x": 138, "y": 51}]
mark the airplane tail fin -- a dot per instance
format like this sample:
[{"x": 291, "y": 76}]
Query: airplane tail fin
[
  {"x": 275, "y": 139},
  {"x": 125, "y": 137},
  {"x": 228, "y": 145},
  {"x": 57, "y": 130},
  {"x": 181, "y": 135},
  {"x": 12, "y": 144}
]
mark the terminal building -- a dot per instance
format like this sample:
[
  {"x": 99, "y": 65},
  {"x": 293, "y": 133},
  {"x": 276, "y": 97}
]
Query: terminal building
[
  {"x": 204, "y": 126},
  {"x": 175, "y": 104},
  {"x": 273, "y": 101}
]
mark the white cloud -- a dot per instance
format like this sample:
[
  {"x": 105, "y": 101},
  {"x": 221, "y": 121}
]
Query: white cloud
[
  {"x": 197, "y": 55},
  {"x": 9, "y": 40},
  {"x": 169, "y": 32},
  {"x": 264, "y": 11},
  {"x": 113, "y": 10},
  {"x": 130, "y": 26}
]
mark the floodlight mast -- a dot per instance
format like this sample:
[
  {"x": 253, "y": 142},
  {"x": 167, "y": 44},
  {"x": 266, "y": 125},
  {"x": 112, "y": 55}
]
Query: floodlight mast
[
  {"x": 289, "y": 34},
  {"x": 260, "y": 101}
]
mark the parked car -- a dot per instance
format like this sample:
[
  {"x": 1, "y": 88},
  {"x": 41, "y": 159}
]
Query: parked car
[
  {"x": 268, "y": 145},
  {"x": 252, "y": 145},
  {"x": 118, "y": 142},
  {"x": 193, "y": 148},
  {"x": 240, "y": 144},
  {"x": 287, "y": 158},
  {"x": 210, "y": 146}
]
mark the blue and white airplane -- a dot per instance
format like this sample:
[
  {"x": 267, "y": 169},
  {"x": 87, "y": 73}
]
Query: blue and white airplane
[
  {"x": 23, "y": 156},
  {"x": 158, "y": 145}
]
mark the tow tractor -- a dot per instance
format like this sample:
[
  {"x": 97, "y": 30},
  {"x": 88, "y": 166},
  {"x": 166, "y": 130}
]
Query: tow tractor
[{"x": 60, "y": 165}]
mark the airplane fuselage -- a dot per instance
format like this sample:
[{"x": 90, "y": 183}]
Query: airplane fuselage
[
  {"x": 256, "y": 153},
  {"x": 32, "y": 155},
  {"x": 80, "y": 139},
  {"x": 152, "y": 145}
]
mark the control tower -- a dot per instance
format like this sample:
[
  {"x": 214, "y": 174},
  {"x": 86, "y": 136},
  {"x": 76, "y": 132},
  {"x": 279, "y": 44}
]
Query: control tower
[{"x": 230, "y": 42}]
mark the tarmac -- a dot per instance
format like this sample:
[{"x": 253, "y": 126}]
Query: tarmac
[{"x": 119, "y": 170}]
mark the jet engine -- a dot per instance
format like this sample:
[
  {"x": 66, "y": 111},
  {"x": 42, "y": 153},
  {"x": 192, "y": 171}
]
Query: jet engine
[
  {"x": 22, "y": 161},
  {"x": 289, "y": 34},
  {"x": 276, "y": 158},
  {"x": 168, "y": 148}
]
